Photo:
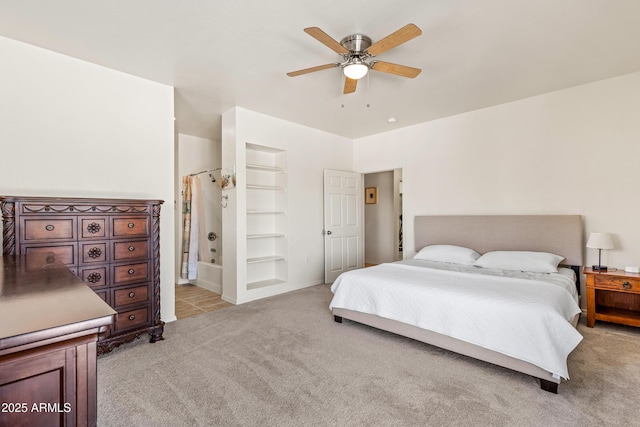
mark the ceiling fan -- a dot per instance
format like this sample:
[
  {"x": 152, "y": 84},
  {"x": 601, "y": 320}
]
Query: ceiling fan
[{"x": 356, "y": 49}]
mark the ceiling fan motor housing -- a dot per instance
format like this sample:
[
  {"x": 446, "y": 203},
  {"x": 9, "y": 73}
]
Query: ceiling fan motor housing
[{"x": 356, "y": 43}]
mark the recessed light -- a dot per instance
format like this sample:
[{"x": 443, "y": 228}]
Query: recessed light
[{"x": 391, "y": 120}]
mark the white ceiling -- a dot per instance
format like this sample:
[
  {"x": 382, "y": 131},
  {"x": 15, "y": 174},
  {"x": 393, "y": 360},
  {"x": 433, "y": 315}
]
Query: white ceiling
[{"x": 219, "y": 54}]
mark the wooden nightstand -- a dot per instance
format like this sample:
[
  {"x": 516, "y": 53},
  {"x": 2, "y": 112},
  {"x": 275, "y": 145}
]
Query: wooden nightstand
[{"x": 613, "y": 296}]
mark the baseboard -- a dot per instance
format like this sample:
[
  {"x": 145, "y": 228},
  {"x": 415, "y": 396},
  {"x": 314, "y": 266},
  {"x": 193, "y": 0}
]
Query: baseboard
[
  {"x": 315, "y": 282},
  {"x": 272, "y": 291},
  {"x": 210, "y": 286},
  {"x": 229, "y": 300}
]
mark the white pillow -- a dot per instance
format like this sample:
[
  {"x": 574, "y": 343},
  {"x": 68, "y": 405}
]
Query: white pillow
[
  {"x": 537, "y": 262},
  {"x": 448, "y": 253}
]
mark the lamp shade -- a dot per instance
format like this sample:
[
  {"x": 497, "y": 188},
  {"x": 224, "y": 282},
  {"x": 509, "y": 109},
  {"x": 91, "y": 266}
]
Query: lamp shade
[{"x": 600, "y": 241}]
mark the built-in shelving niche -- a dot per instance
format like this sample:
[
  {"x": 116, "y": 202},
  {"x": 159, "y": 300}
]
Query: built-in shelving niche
[{"x": 266, "y": 216}]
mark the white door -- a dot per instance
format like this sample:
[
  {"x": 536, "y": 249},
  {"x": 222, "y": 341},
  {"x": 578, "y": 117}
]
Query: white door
[{"x": 343, "y": 223}]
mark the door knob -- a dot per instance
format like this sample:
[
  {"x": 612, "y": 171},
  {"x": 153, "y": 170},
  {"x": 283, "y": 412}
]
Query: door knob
[{"x": 328, "y": 232}]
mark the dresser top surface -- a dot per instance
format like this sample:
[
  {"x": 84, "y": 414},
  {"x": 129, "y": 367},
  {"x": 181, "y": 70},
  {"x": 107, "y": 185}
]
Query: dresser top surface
[
  {"x": 36, "y": 295},
  {"x": 75, "y": 200}
]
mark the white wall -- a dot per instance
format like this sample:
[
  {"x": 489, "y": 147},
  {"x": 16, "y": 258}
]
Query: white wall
[
  {"x": 380, "y": 239},
  {"x": 230, "y": 266},
  {"x": 197, "y": 154},
  {"x": 309, "y": 151},
  {"x": 76, "y": 129},
  {"x": 574, "y": 151}
]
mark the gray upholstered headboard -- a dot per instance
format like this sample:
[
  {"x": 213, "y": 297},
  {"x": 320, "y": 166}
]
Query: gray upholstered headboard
[{"x": 558, "y": 234}]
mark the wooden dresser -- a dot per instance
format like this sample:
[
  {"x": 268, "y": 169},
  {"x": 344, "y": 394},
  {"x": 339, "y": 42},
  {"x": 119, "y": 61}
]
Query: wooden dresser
[
  {"x": 50, "y": 322},
  {"x": 113, "y": 245}
]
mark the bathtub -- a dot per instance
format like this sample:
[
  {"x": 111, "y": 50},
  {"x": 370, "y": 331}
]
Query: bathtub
[{"x": 209, "y": 276}]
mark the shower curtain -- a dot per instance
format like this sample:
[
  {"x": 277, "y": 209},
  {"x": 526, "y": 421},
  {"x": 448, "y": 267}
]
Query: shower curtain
[{"x": 191, "y": 201}]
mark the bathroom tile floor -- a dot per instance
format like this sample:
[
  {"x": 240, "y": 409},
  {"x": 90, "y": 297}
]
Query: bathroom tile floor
[{"x": 192, "y": 300}]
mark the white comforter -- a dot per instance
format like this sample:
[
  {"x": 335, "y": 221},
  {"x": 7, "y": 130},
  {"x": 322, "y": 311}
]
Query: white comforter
[{"x": 523, "y": 315}]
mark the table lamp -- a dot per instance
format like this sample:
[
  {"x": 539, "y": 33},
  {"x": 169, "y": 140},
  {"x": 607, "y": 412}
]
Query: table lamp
[{"x": 600, "y": 241}]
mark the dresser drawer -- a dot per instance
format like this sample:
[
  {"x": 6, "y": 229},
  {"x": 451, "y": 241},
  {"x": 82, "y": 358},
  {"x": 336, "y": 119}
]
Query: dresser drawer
[
  {"x": 130, "y": 273},
  {"x": 93, "y": 228},
  {"x": 66, "y": 253},
  {"x": 630, "y": 284},
  {"x": 129, "y": 250},
  {"x": 58, "y": 228},
  {"x": 96, "y": 277},
  {"x": 128, "y": 296},
  {"x": 130, "y": 227},
  {"x": 131, "y": 319},
  {"x": 93, "y": 252}
]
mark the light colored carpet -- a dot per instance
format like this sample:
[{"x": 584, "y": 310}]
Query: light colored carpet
[{"x": 283, "y": 361}]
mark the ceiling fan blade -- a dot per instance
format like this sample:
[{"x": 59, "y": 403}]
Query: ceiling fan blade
[
  {"x": 350, "y": 85},
  {"x": 398, "y": 70},
  {"x": 311, "y": 70},
  {"x": 404, "y": 34},
  {"x": 326, "y": 40}
]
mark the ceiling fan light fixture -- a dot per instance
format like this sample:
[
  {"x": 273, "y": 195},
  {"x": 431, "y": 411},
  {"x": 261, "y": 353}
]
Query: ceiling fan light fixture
[{"x": 356, "y": 70}]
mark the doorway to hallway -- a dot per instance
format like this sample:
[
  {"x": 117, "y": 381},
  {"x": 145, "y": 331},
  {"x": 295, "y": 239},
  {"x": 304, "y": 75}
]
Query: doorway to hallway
[{"x": 383, "y": 217}]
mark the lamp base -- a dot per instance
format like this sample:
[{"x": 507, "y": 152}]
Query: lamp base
[{"x": 599, "y": 267}]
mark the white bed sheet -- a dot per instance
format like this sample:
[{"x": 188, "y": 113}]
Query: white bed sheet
[{"x": 523, "y": 315}]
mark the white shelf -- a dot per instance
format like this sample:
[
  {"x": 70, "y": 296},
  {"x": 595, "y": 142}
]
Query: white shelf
[
  {"x": 264, "y": 283},
  {"x": 256, "y": 212},
  {"x": 263, "y": 148},
  {"x": 265, "y": 259},
  {"x": 264, "y": 235},
  {"x": 265, "y": 187},
  {"x": 265, "y": 168},
  {"x": 266, "y": 222}
]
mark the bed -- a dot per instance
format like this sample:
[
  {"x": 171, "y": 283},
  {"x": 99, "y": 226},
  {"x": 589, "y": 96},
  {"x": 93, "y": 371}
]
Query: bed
[{"x": 535, "y": 339}]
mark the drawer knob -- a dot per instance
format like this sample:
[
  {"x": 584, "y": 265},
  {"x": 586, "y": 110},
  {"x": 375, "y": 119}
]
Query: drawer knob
[
  {"x": 93, "y": 228},
  {"x": 132, "y": 248},
  {"x": 131, "y": 225},
  {"x": 132, "y": 294},
  {"x": 94, "y": 277},
  {"x": 49, "y": 227},
  {"x": 131, "y": 271},
  {"x": 626, "y": 285},
  {"x": 94, "y": 252},
  {"x": 132, "y": 317}
]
